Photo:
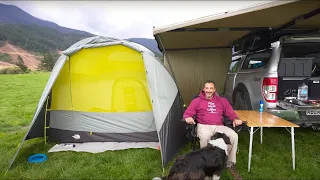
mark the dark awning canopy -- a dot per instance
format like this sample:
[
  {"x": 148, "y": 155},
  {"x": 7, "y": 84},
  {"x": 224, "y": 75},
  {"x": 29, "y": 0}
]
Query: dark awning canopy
[{"x": 222, "y": 30}]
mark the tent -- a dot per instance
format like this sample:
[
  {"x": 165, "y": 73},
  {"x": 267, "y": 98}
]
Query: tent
[
  {"x": 201, "y": 49},
  {"x": 109, "y": 90}
]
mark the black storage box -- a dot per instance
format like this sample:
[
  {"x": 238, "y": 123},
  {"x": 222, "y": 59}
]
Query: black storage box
[
  {"x": 292, "y": 72},
  {"x": 295, "y": 67}
]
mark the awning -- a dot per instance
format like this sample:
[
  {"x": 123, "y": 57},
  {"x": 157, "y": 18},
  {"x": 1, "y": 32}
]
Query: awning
[{"x": 222, "y": 30}]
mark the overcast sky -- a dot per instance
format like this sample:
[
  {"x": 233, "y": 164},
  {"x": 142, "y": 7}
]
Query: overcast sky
[{"x": 124, "y": 19}]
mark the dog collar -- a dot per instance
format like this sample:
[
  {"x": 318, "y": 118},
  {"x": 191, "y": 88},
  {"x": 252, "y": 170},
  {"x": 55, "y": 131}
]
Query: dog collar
[{"x": 220, "y": 143}]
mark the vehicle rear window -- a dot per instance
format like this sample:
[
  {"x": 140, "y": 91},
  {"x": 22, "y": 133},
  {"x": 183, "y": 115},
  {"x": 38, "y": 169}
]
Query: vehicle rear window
[{"x": 257, "y": 60}]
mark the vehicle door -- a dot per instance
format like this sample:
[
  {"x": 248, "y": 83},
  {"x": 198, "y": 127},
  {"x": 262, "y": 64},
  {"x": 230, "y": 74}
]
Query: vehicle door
[
  {"x": 252, "y": 73},
  {"x": 231, "y": 76}
]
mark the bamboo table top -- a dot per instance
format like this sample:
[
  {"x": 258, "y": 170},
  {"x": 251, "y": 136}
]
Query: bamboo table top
[{"x": 264, "y": 119}]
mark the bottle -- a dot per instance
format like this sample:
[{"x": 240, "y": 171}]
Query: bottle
[
  {"x": 261, "y": 106},
  {"x": 303, "y": 92}
]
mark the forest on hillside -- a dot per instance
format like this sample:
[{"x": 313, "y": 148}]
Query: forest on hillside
[
  {"x": 36, "y": 38},
  {"x": 42, "y": 41}
]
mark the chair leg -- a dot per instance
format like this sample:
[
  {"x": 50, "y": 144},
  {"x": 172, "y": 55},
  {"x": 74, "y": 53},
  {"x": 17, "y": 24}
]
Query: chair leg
[{"x": 194, "y": 145}]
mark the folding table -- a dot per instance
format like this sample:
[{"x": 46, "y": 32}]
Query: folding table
[{"x": 265, "y": 119}]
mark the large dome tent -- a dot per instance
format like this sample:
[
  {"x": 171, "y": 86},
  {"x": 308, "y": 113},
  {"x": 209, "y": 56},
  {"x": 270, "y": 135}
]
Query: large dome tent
[{"x": 104, "y": 89}]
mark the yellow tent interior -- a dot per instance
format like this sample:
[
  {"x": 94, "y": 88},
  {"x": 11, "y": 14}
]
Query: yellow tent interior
[{"x": 104, "y": 79}]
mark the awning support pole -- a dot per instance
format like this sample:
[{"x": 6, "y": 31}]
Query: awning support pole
[{"x": 166, "y": 56}]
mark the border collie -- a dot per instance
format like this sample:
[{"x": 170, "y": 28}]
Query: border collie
[{"x": 209, "y": 161}]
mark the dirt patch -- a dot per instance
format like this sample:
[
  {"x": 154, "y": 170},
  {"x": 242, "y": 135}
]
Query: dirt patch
[
  {"x": 6, "y": 65},
  {"x": 29, "y": 59}
]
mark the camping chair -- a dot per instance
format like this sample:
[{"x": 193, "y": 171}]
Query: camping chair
[{"x": 192, "y": 129}]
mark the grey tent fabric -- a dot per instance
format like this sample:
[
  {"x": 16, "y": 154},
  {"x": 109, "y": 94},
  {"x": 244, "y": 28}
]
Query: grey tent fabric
[
  {"x": 166, "y": 108},
  {"x": 102, "y": 122},
  {"x": 66, "y": 136},
  {"x": 172, "y": 135},
  {"x": 54, "y": 74},
  {"x": 100, "y": 41},
  {"x": 162, "y": 89}
]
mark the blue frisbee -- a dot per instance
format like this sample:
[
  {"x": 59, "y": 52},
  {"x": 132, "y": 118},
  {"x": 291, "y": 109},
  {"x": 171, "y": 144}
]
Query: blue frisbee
[{"x": 37, "y": 158}]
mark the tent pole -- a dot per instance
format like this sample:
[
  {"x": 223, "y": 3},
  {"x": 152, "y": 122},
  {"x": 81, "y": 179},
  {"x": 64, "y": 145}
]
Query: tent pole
[
  {"x": 163, "y": 172},
  {"x": 166, "y": 56},
  {"x": 70, "y": 83},
  {"x": 45, "y": 121}
]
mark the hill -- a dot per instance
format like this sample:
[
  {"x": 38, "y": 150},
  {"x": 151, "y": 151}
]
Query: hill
[
  {"x": 15, "y": 18},
  {"x": 10, "y": 14},
  {"x": 30, "y": 37},
  {"x": 9, "y": 56},
  {"x": 37, "y": 38},
  {"x": 149, "y": 43}
]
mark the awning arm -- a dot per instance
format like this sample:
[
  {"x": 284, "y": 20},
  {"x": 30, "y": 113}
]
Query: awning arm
[
  {"x": 220, "y": 29},
  {"x": 273, "y": 34},
  {"x": 297, "y": 19},
  {"x": 197, "y": 48},
  {"x": 270, "y": 36}
]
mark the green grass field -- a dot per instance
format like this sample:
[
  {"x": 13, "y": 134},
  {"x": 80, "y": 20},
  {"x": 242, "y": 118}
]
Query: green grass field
[{"x": 19, "y": 95}]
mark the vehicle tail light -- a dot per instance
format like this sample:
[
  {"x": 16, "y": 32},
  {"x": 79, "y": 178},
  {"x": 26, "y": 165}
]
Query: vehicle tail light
[{"x": 270, "y": 89}]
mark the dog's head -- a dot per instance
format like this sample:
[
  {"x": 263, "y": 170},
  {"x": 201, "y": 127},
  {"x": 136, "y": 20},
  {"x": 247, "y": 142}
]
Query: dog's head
[{"x": 219, "y": 135}]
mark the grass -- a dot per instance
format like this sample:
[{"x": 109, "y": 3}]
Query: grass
[
  {"x": 272, "y": 159},
  {"x": 19, "y": 95}
]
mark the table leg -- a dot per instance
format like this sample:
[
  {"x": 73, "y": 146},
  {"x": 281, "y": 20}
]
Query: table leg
[
  {"x": 250, "y": 148},
  {"x": 261, "y": 134},
  {"x": 293, "y": 149}
]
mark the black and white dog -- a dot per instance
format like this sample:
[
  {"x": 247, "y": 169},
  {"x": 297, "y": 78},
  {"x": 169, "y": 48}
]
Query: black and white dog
[{"x": 209, "y": 161}]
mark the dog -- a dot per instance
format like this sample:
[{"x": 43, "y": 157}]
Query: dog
[{"x": 209, "y": 161}]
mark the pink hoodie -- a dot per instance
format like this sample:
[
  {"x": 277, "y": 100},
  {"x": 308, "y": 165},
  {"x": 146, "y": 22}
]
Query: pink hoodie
[{"x": 210, "y": 111}]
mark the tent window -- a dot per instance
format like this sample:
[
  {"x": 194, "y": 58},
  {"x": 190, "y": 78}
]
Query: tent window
[{"x": 257, "y": 60}]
